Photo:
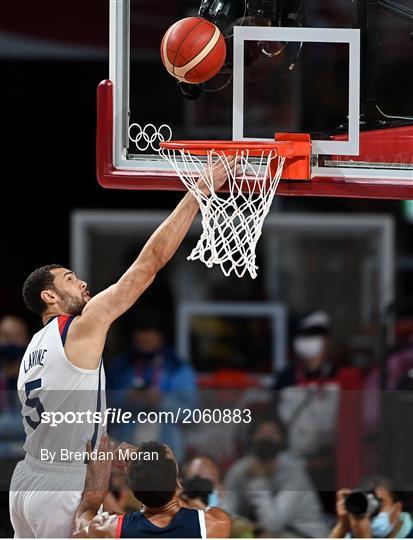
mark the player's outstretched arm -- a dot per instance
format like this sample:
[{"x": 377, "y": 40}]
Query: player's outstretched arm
[
  {"x": 87, "y": 523},
  {"x": 87, "y": 334},
  {"x": 108, "y": 305}
]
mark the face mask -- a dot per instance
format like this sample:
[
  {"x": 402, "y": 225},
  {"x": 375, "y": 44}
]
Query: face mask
[
  {"x": 265, "y": 449},
  {"x": 214, "y": 499},
  {"x": 381, "y": 526},
  {"x": 308, "y": 347}
]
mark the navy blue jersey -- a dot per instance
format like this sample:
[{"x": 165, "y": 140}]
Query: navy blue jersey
[{"x": 186, "y": 523}]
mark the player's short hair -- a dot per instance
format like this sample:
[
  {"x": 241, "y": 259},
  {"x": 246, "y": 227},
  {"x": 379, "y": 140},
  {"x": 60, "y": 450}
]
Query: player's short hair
[
  {"x": 153, "y": 482},
  {"x": 38, "y": 281}
]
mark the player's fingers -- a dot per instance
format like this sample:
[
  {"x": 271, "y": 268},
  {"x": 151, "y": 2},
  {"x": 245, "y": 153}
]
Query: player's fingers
[
  {"x": 104, "y": 442},
  {"x": 119, "y": 448}
]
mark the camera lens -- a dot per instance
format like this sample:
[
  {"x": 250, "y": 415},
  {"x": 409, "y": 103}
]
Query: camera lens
[
  {"x": 360, "y": 504},
  {"x": 356, "y": 504}
]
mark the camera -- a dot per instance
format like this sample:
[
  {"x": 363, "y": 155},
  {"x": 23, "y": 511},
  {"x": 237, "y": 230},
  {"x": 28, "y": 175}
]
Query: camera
[
  {"x": 223, "y": 13},
  {"x": 227, "y": 13},
  {"x": 363, "y": 503}
]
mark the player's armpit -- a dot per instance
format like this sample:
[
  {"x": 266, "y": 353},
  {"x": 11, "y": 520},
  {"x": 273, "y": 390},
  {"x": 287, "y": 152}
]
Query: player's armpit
[
  {"x": 102, "y": 526},
  {"x": 218, "y": 523}
]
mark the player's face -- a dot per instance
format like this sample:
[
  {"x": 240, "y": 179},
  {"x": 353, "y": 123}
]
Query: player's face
[{"x": 72, "y": 291}]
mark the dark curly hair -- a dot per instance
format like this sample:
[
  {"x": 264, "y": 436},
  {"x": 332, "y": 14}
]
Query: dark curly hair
[
  {"x": 38, "y": 281},
  {"x": 153, "y": 482}
]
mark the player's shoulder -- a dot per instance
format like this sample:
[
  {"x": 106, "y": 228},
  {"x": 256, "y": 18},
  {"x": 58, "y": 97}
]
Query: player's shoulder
[
  {"x": 218, "y": 523},
  {"x": 46, "y": 332},
  {"x": 216, "y": 513}
]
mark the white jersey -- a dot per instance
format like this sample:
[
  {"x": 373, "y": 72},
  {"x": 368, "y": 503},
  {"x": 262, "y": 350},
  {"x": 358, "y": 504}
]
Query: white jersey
[{"x": 49, "y": 382}]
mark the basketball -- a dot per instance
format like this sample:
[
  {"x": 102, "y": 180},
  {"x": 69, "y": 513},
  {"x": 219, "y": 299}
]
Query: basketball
[{"x": 193, "y": 50}]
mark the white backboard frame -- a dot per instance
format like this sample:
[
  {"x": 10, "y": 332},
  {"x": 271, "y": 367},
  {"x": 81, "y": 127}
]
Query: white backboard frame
[{"x": 351, "y": 37}]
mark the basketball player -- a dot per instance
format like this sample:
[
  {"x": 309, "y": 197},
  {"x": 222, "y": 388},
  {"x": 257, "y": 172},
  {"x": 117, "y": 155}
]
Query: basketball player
[
  {"x": 62, "y": 371},
  {"x": 155, "y": 484}
]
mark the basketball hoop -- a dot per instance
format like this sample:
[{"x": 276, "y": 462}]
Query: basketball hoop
[{"x": 232, "y": 222}]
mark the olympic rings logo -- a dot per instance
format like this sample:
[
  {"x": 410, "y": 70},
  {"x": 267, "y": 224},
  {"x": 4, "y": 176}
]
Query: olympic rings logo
[{"x": 149, "y": 136}]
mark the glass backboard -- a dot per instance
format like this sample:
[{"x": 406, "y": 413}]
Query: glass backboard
[{"x": 339, "y": 70}]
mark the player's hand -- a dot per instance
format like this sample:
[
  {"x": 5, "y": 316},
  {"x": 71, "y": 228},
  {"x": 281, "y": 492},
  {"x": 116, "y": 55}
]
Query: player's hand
[
  {"x": 98, "y": 472},
  {"x": 121, "y": 452},
  {"x": 219, "y": 174}
]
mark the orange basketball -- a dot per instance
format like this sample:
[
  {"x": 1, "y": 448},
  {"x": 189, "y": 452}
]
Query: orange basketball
[{"x": 193, "y": 50}]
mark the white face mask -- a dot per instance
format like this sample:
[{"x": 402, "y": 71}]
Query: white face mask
[
  {"x": 214, "y": 498},
  {"x": 308, "y": 347},
  {"x": 381, "y": 526}
]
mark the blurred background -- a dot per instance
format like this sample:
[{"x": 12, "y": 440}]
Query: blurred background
[{"x": 319, "y": 347}]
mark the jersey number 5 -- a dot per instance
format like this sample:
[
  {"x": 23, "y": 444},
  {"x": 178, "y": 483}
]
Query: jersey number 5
[{"x": 33, "y": 403}]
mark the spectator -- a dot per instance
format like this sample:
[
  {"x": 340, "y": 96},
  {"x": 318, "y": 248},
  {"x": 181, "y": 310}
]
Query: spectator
[
  {"x": 270, "y": 487},
  {"x": 196, "y": 492},
  {"x": 312, "y": 355},
  {"x": 387, "y": 520},
  {"x": 13, "y": 341},
  {"x": 316, "y": 400},
  {"x": 202, "y": 488},
  {"x": 206, "y": 468},
  {"x": 151, "y": 377}
]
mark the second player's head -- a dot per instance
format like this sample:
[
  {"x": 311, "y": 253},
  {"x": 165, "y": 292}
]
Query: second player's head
[
  {"x": 56, "y": 290},
  {"x": 154, "y": 481}
]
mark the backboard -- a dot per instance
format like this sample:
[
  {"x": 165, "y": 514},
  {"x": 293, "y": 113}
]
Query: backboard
[{"x": 339, "y": 70}]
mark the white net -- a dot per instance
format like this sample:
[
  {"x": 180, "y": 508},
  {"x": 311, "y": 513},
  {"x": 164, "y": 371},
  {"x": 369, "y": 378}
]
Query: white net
[{"x": 231, "y": 222}]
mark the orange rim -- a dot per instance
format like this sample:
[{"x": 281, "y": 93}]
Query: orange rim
[
  {"x": 254, "y": 148},
  {"x": 296, "y": 147}
]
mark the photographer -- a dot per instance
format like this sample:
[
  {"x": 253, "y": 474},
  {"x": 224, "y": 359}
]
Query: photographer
[{"x": 374, "y": 510}]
